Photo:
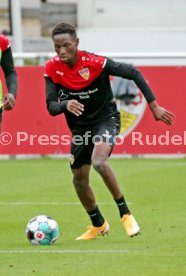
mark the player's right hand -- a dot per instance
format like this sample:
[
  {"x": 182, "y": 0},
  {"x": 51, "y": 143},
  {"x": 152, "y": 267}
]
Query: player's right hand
[{"x": 75, "y": 107}]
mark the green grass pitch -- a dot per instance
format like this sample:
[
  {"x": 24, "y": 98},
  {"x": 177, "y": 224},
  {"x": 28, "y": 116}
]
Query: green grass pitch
[{"x": 155, "y": 190}]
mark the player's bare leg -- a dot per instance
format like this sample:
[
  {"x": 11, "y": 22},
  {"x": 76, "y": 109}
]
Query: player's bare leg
[
  {"x": 87, "y": 198},
  {"x": 100, "y": 156},
  {"x": 82, "y": 187}
]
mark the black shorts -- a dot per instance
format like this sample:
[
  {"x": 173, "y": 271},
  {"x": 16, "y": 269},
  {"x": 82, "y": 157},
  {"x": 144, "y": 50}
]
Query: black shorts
[{"x": 83, "y": 144}]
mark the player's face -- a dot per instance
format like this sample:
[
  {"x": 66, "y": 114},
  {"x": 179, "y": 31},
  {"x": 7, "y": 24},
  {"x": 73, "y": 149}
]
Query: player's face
[{"x": 66, "y": 47}]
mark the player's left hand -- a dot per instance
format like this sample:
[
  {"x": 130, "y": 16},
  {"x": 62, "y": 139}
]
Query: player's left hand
[
  {"x": 161, "y": 114},
  {"x": 8, "y": 102}
]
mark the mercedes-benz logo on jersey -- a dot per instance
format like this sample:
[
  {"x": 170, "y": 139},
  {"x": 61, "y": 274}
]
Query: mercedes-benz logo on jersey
[{"x": 62, "y": 94}]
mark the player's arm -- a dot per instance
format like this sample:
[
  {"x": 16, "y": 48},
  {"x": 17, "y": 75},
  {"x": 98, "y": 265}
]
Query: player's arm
[
  {"x": 128, "y": 71},
  {"x": 54, "y": 106},
  {"x": 9, "y": 71}
]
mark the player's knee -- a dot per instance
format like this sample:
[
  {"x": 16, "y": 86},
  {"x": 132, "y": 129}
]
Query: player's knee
[
  {"x": 79, "y": 183},
  {"x": 99, "y": 165}
]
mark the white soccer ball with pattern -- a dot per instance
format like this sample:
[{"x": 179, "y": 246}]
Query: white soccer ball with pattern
[{"x": 42, "y": 230}]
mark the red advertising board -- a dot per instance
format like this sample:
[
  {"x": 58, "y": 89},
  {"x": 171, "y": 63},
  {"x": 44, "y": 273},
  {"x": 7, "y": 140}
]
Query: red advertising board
[{"x": 29, "y": 129}]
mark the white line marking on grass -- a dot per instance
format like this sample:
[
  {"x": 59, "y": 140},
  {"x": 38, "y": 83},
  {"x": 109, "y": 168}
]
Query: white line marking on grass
[
  {"x": 66, "y": 251},
  {"x": 51, "y": 203},
  {"x": 37, "y": 203}
]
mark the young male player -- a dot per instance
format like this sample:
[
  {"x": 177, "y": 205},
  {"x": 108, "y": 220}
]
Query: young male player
[{"x": 77, "y": 84}]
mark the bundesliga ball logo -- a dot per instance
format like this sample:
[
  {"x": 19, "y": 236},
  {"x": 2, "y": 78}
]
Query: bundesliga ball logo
[{"x": 39, "y": 235}]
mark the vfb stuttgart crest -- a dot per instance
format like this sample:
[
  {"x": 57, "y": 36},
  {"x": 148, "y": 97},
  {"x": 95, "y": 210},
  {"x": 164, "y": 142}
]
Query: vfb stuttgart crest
[
  {"x": 85, "y": 73},
  {"x": 130, "y": 103},
  {"x": 131, "y": 114}
]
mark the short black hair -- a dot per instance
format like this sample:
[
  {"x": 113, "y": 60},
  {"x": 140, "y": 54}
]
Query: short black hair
[{"x": 64, "y": 28}]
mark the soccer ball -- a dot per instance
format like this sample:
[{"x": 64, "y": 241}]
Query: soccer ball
[{"x": 42, "y": 230}]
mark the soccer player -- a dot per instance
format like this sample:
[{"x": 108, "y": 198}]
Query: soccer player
[
  {"x": 6, "y": 61},
  {"x": 77, "y": 84}
]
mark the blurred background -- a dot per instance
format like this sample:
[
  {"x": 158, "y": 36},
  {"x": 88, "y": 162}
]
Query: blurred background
[{"x": 103, "y": 25}]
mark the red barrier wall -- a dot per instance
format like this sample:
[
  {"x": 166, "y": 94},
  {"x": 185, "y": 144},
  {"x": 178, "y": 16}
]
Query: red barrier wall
[{"x": 30, "y": 117}]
